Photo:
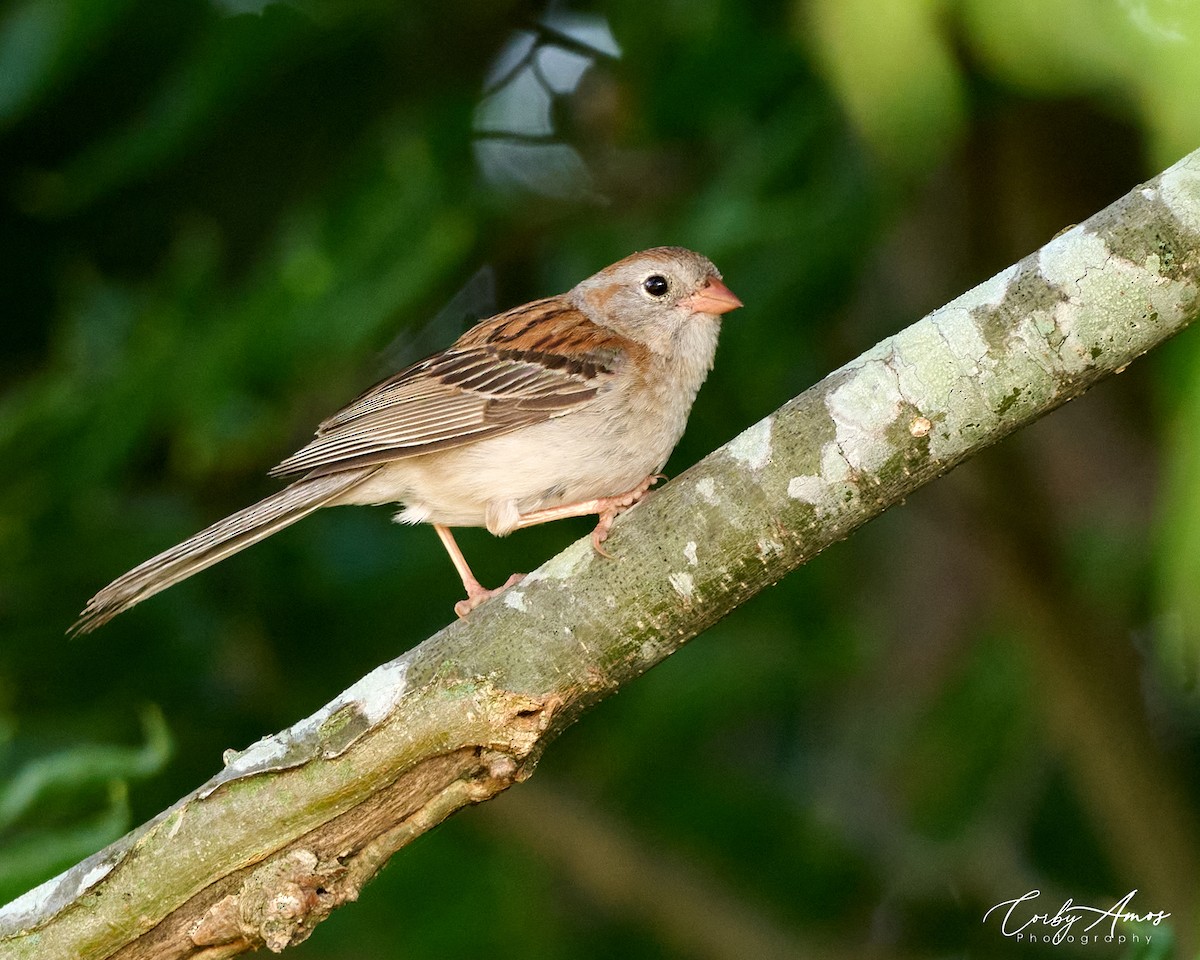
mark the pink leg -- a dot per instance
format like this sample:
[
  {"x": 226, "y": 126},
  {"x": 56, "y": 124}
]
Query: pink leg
[
  {"x": 607, "y": 507},
  {"x": 476, "y": 592}
]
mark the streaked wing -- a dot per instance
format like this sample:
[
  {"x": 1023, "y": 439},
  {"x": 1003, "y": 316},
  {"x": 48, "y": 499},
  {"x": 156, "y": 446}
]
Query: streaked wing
[{"x": 518, "y": 368}]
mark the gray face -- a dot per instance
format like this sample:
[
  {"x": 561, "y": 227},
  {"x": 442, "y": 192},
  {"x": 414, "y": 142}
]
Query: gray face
[{"x": 644, "y": 289}]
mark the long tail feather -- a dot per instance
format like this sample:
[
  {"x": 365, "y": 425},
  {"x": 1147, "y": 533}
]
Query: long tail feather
[{"x": 214, "y": 544}]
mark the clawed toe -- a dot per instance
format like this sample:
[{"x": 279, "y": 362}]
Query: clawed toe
[
  {"x": 463, "y": 607},
  {"x": 476, "y": 594},
  {"x": 600, "y": 534},
  {"x": 615, "y": 507}
]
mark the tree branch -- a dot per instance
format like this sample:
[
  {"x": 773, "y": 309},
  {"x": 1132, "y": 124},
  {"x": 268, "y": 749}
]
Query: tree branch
[{"x": 293, "y": 826}]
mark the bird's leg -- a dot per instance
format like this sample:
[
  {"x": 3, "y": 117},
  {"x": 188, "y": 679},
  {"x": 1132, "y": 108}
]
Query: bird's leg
[
  {"x": 476, "y": 591},
  {"x": 608, "y": 509}
]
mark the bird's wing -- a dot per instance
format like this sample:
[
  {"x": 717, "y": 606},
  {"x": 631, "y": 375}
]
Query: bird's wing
[{"x": 518, "y": 368}]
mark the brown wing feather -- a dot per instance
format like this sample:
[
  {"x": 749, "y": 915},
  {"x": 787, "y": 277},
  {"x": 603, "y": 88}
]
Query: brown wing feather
[{"x": 520, "y": 367}]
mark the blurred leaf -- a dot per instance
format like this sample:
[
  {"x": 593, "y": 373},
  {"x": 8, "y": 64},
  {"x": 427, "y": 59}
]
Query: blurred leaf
[
  {"x": 226, "y": 67},
  {"x": 1153, "y": 942},
  {"x": 892, "y": 65},
  {"x": 48, "y": 809},
  {"x": 43, "y": 43},
  {"x": 32, "y": 858},
  {"x": 74, "y": 771},
  {"x": 1177, "y": 624}
]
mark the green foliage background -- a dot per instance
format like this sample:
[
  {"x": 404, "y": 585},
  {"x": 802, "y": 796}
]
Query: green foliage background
[{"x": 216, "y": 216}]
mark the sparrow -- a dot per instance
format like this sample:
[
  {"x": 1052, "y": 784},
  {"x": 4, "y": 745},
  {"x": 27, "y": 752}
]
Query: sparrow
[{"x": 567, "y": 406}]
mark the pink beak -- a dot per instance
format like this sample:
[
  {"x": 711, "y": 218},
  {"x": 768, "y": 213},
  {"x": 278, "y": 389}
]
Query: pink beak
[{"x": 714, "y": 297}]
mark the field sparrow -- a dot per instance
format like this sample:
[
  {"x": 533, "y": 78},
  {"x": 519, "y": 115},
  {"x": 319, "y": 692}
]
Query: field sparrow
[{"x": 563, "y": 407}]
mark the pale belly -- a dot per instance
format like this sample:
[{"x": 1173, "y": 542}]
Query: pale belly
[{"x": 492, "y": 482}]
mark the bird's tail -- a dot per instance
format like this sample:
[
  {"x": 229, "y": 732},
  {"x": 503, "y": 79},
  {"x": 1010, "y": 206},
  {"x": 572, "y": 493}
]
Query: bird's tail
[{"x": 214, "y": 544}]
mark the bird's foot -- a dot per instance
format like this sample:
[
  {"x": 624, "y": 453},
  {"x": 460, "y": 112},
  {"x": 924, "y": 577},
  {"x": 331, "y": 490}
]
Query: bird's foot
[
  {"x": 477, "y": 593},
  {"x": 610, "y": 508}
]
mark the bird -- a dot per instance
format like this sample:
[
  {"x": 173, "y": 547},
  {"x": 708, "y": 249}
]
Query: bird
[{"x": 566, "y": 406}]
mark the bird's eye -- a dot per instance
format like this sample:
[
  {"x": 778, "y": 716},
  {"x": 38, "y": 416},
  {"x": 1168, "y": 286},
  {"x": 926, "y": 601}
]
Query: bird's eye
[{"x": 656, "y": 285}]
